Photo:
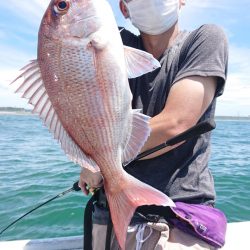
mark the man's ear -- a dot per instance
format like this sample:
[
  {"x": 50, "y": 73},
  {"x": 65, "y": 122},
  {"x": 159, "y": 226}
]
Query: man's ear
[
  {"x": 182, "y": 2},
  {"x": 123, "y": 9}
]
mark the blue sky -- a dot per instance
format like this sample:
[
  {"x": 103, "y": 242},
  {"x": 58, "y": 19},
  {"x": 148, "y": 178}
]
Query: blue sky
[{"x": 20, "y": 19}]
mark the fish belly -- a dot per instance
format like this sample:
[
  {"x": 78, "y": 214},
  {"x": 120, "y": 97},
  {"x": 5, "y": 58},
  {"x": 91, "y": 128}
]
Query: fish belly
[{"x": 91, "y": 95}]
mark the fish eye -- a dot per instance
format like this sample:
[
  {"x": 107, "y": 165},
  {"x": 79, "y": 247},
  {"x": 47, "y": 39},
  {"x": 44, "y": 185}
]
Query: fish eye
[{"x": 61, "y": 7}]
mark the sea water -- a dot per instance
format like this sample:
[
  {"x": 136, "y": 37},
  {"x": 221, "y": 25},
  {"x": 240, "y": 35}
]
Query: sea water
[{"x": 33, "y": 169}]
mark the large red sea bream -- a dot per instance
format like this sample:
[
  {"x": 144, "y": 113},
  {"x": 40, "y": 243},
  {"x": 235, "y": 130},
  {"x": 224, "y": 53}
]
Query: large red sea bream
[{"x": 78, "y": 85}]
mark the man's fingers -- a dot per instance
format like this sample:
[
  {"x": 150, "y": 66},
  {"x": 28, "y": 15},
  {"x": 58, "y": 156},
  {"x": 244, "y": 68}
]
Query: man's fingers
[
  {"x": 97, "y": 185},
  {"x": 83, "y": 187},
  {"x": 92, "y": 190},
  {"x": 85, "y": 190},
  {"x": 89, "y": 181}
]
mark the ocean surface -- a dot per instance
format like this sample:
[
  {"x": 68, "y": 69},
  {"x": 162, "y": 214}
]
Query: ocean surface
[{"x": 33, "y": 169}]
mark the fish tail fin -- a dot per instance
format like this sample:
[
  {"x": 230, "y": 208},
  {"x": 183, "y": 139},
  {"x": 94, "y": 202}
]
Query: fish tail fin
[{"x": 123, "y": 203}]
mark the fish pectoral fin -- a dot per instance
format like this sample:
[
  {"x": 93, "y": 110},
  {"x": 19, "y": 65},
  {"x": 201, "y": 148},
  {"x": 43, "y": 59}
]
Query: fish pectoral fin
[
  {"x": 99, "y": 39},
  {"x": 139, "y": 134},
  {"x": 139, "y": 62},
  {"x": 123, "y": 203},
  {"x": 31, "y": 85}
]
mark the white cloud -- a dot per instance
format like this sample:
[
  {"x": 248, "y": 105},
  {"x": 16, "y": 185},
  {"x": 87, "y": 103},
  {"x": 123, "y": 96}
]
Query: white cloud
[
  {"x": 7, "y": 95},
  {"x": 236, "y": 98},
  {"x": 2, "y": 34},
  {"x": 237, "y": 89},
  {"x": 215, "y": 4},
  {"x": 226, "y": 13},
  {"x": 240, "y": 59},
  {"x": 14, "y": 58},
  {"x": 30, "y": 11}
]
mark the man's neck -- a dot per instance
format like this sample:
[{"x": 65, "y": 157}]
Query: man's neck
[{"x": 157, "y": 44}]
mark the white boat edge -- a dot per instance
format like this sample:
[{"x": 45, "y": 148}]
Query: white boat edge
[
  {"x": 62, "y": 243},
  {"x": 236, "y": 239}
]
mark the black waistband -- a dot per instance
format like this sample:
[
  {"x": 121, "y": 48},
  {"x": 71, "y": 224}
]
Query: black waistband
[{"x": 146, "y": 213}]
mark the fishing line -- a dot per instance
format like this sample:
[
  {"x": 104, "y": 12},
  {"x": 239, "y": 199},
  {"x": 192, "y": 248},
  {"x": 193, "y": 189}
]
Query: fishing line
[
  {"x": 194, "y": 131},
  {"x": 75, "y": 187}
]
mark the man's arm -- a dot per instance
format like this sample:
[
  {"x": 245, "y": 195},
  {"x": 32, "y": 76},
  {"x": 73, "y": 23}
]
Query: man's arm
[{"x": 188, "y": 99}]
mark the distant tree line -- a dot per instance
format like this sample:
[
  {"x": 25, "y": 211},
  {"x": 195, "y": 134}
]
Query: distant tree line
[
  {"x": 12, "y": 109},
  {"x": 232, "y": 117}
]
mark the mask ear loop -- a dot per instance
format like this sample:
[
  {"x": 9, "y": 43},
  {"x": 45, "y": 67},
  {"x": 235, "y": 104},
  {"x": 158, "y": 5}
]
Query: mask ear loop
[{"x": 127, "y": 8}]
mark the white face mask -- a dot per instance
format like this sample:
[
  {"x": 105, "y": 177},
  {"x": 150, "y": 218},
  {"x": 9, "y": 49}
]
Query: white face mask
[{"x": 153, "y": 17}]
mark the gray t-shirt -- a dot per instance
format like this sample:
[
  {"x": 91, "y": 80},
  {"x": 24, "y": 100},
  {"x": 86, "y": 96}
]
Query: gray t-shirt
[{"x": 181, "y": 173}]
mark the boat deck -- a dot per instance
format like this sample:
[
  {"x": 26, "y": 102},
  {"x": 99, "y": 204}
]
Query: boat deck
[{"x": 236, "y": 239}]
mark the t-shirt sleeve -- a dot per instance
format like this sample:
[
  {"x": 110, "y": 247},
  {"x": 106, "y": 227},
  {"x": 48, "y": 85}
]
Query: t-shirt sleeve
[{"x": 205, "y": 53}]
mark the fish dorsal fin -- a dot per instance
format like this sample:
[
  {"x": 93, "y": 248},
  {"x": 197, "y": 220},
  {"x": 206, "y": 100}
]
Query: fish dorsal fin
[
  {"x": 32, "y": 87},
  {"x": 139, "y": 62},
  {"x": 139, "y": 135}
]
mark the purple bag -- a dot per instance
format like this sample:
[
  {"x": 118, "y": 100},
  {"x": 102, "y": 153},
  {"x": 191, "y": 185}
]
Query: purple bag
[{"x": 204, "y": 222}]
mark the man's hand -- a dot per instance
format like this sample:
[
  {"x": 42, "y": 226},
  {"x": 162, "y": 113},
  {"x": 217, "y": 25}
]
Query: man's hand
[{"x": 89, "y": 181}]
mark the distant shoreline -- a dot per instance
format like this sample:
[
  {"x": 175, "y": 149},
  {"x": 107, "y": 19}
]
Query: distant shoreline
[
  {"x": 22, "y": 111},
  {"x": 235, "y": 118},
  {"x": 14, "y": 111}
]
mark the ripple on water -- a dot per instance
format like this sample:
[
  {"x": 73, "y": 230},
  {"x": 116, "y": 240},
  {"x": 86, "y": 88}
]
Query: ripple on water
[{"x": 33, "y": 169}]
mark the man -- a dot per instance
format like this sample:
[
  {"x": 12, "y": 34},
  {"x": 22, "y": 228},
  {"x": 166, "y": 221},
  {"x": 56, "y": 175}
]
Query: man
[{"x": 177, "y": 96}]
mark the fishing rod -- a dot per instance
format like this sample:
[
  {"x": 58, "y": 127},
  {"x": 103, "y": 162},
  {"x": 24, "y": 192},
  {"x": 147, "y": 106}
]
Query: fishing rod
[{"x": 192, "y": 132}]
